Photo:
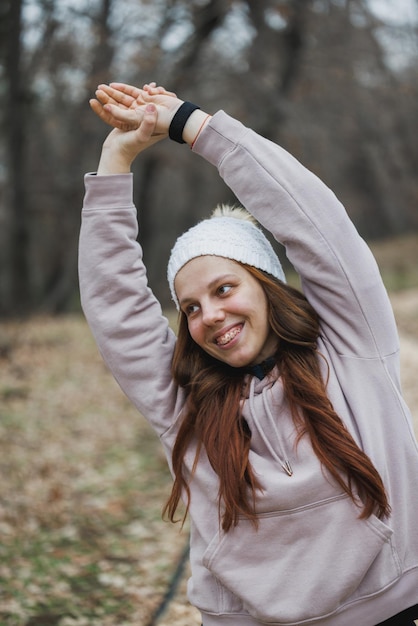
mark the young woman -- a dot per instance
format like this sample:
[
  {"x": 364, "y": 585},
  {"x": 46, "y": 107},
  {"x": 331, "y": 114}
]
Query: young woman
[{"x": 280, "y": 412}]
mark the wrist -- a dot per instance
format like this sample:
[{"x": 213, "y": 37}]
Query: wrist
[
  {"x": 179, "y": 120},
  {"x": 194, "y": 126},
  {"x": 113, "y": 162}
]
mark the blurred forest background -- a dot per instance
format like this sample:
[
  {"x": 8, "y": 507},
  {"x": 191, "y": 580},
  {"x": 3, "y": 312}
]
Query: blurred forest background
[
  {"x": 334, "y": 81},
  {"x": 84, "y": 480}
]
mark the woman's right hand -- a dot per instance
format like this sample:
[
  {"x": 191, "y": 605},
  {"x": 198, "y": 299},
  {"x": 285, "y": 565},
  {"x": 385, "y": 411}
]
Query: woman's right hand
[{"x": 121, "y": 147}]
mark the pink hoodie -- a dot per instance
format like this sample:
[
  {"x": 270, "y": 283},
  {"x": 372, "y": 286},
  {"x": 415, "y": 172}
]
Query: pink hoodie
[{"x": 312, "y": 560}]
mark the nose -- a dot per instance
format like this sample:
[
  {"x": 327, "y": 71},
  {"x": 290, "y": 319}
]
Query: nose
[{"x": 212, "y": 312}]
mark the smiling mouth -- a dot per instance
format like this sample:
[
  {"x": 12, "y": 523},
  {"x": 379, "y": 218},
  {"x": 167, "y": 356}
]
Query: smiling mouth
[{"x": 223, "y": 340}]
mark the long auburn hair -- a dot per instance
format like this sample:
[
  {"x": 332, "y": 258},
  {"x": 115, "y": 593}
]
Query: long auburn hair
[{"x": 214, "y": 422}]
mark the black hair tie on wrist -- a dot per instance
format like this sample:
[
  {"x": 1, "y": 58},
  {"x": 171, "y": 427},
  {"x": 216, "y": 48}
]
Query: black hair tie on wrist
[{"x": 175, "y": 131}]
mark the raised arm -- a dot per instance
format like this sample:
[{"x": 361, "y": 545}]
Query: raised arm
[
  {"x": 124, "y": 316},
  {"x": 338, "y": 272}
]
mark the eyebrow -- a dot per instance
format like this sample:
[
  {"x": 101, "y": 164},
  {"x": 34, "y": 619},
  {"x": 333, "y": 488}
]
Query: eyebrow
[{"x": 219, "y": 279}]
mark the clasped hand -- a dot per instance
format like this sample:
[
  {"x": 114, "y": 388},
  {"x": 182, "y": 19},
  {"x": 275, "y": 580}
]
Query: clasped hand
[
  {"x": 124, "y": 106},
  {"x": 139, "y": 117}
]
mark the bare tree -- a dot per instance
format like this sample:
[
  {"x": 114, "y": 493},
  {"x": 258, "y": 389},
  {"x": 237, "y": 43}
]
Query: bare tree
[
  {"x": 80, "y": 135},
  {"x": 312, "y": 75},
  {"x": 17, "y": 294}
]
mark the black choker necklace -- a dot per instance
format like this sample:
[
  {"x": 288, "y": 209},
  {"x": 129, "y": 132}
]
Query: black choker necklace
[{"x": 261, "y": 369}]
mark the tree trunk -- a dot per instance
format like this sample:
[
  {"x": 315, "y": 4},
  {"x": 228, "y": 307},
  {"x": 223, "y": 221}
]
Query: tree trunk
[{"x": 19, "y": 297}]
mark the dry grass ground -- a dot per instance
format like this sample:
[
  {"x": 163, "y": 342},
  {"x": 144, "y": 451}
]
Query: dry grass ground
[{"x": 83, "y": 481}]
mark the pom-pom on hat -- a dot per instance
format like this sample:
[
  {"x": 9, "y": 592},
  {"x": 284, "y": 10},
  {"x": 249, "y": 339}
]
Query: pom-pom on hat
[{"x": 230, "y": 232}]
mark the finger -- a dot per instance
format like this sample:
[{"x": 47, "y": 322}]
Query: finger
[
  {"x": 148, "y": 124},
  {"x": 150, "y": 89},
  {"x": 105, "y": 116},
  {"x": 131, "y": 118},
  {"x": 164, "y": 91},
  {"x": 101, "y": 96},
  {"x": 158, "y": 91},
  {"x": 147, "y": 131},
  {"x": 98, "y": 109},
  {"x": 104, "y": 98},
  {"x": 106, "y": 93},
  {"x": 128, "y": 90},
  {"x": 95, "y": 106}
]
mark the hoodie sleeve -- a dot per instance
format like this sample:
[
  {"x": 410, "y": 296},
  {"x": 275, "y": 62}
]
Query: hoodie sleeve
[
  {"x": 338, "y": 272},
  {"x": 124, "y": 316}
]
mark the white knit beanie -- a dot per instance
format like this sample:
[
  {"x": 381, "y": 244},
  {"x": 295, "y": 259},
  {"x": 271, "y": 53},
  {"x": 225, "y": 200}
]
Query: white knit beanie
[{"x": 231, "y": 233}]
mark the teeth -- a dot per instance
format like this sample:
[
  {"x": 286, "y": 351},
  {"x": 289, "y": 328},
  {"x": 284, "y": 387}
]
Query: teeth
[{"x": 227, "y": 337}]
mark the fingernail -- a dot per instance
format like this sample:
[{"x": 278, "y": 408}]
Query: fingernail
[{"x": 150, "y": 108}]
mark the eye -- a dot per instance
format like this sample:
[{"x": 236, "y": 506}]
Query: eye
[
  {"x": 191, "y": 309},
  {"x": 224, "y": 289}
]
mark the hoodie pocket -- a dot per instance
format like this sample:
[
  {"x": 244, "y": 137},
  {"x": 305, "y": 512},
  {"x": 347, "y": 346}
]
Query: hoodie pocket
[{"x": 304, "y": 563}]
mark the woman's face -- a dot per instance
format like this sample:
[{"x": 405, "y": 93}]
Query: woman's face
[{"x": 226, "y": 310}]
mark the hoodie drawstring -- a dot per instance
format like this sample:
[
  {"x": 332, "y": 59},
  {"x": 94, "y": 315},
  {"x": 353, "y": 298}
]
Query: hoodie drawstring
[{"x": 284, "y": 462}]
